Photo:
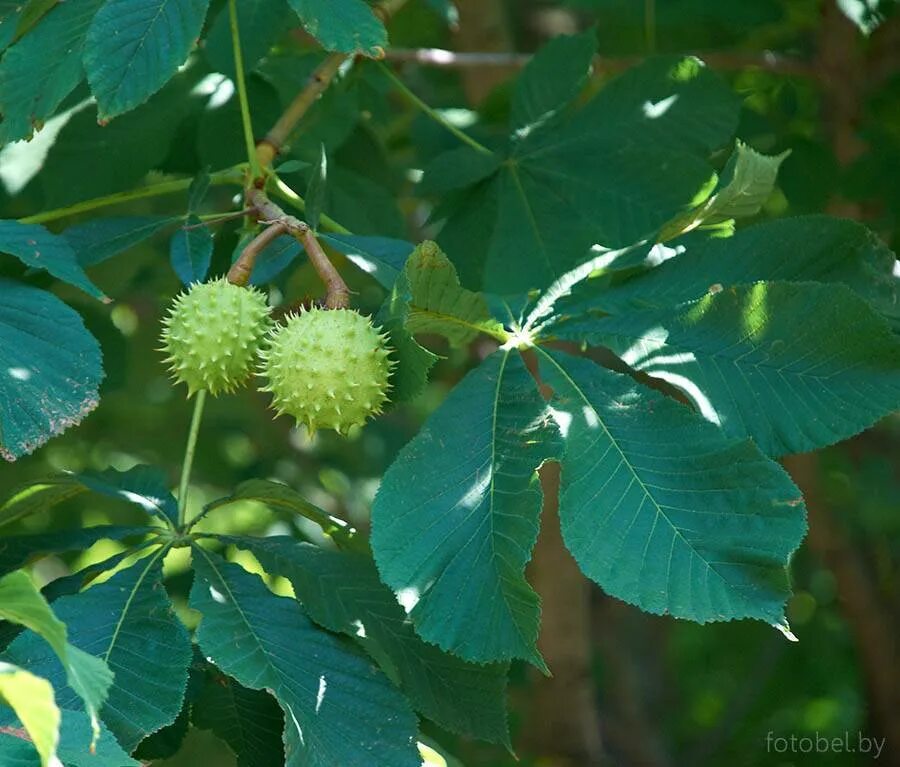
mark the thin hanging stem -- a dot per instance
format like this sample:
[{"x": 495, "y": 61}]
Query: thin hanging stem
[
  {"x": 413, "y": 99},
  {"x": 189, "y": 450},
  {"x": 241, "y": 82}
]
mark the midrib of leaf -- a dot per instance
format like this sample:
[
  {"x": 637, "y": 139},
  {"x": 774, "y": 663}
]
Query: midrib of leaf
[
  {"x": 514, "y": 172},
  {"x": 451, "y": 319},
  {"x": 127, "y": 68},
  {"x": 246, "y": 621},
  {"x": 525, "y": 641},
  {"x": 635, "y": 477},
  {"x": 130, "y": 599}
]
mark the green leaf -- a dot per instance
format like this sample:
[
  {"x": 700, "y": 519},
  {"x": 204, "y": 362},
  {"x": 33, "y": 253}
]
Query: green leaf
[
  {"x": 456, "y": 516},
  {"x": 90, "y": 678},
  {"x": 551, "y": 80},
  {"x": 348, "y": 26},
  {"x": 10, "y": 13},
  {"x": 751, "y": 367},
  {"x": 278, "y": 496},
  {"x": 803, "y": 249},
  {"x": 382, "y": 257},
  {"x": 127, "y": 621},
  {"x": 338, "y": 708},
  {"x": 144, "y": 486},
  {"x": 261, "y": 23},
  {"x": 32, "y": 12},
  {"x": 746, "y": 183},
  {"x": 626, "y": 163},
  {"x": 190, "y": 251},
  {"x": 675, "y": 102},
  {"x": 41, "y": 69},
  {"x": 75, "y": 749},
  {"x": 249, "y": 721},
  {"x": 91, "y": 159},
  {"x": 561, "y": 192},
  {"x": 341, "y": 592},
  {"x": 662, "y": 509},
  {"x": 316, "y": 189},
  {"x": 414, "y": 362},
  {"x": 135, "y": 46},
  {"x": 19, "y": 550},
  {"x": 100, "y": 239},
  {"x": 21, "y": 603},
  {"x": 437, "y": 303},
  {"x": 198, "y": 190},
  {"x": 33, "y": 701},
  {"x": 50, "y": 369},
  {"x": 456, "y": 169},
  {"x": 34, "y": 246}
]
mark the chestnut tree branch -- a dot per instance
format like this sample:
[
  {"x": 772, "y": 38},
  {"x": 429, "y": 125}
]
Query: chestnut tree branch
[
  {"x": 337, "y": 294},
  {"x": 271, "y": 146},
  {"x": 439, "y": 57}
]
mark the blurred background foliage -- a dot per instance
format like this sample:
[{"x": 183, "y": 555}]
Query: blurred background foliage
[{"x": 819, "y": 78}]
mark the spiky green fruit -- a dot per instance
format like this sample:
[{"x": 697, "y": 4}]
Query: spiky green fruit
[
  {"x": 213, "y": 333},
  {"x": 328, "y": 368}
]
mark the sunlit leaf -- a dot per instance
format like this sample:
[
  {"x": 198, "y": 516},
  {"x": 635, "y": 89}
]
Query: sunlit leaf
[
  {"x": 749, "y": 366},
  {"x": 128, "y": 622},
  {"x": 662, "y": 509},
  {"x": 338, "y": 708},
  {"x": 341, "y": 591},
  {"x": 456, "y": 516}
]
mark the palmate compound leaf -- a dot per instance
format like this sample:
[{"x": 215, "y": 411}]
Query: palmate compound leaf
[
  {"x": 348, "y": 26},
  {"x": 50, "y": 369},
  {"x": 794, "y": 366},
  {"x": 662, "y": 509},
  {"x": 456, "y": 516},
  {"x": 134, "y": 47},
  {"x": 341, "y": 592},
  {"x": 612, "y": 174},
  {"x": 127, "y": 621},
  {"x": 89, "y": 677},
  {"x": 339, "y": 709}
]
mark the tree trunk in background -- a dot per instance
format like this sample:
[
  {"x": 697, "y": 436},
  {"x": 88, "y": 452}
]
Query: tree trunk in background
[
  {"x": 483, "y": 27},
  {"x": 562, "y": 728},
  {"x": 865, "y": 613},
  {"x": 632, "y": 646},
  {"x": 847, "y": 76}
]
